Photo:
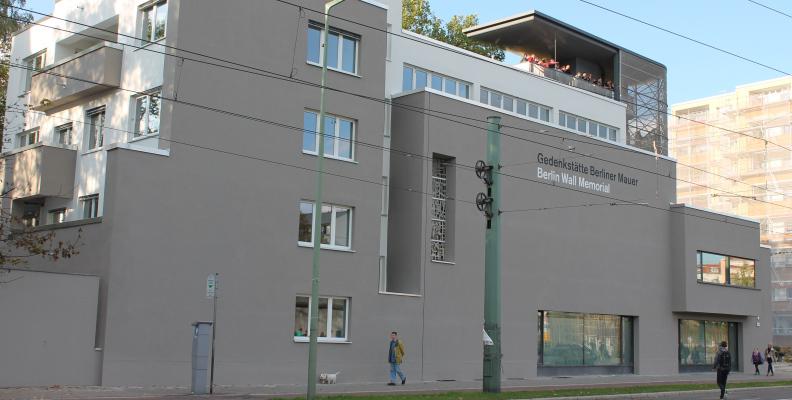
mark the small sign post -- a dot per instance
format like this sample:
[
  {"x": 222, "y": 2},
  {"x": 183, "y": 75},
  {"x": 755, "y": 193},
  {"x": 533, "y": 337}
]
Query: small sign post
[{"x": 211, "y": 293}]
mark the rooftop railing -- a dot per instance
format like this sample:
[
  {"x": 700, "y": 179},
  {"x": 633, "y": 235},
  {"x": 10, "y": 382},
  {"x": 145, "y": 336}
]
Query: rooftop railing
[{"x": 565, "y": 78}]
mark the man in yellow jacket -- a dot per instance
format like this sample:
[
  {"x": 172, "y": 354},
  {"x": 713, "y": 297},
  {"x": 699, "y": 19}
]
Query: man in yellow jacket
[{"x": 395, "y": 356}]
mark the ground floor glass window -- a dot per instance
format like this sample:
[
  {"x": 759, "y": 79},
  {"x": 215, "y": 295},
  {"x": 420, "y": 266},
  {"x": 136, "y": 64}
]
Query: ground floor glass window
[
  {"x": 699, "y": 342},
  {"x": 581, "y": 340}
]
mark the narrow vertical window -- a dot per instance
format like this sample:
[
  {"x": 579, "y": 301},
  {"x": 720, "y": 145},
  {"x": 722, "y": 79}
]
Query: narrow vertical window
[
  {"x": 407, "y": 79},
  {"x": 34, "y": 63},
  {"x": 90, "y": 206},
  {"x": 147, "y": 115},
  {"x": 439, "y": 235},
  {"x": 154, "y": 21},
  {"x": 95, "y": 127}
]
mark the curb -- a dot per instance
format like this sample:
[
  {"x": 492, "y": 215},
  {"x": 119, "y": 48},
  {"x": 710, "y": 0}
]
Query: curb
[{"x": 655, "y": 395}]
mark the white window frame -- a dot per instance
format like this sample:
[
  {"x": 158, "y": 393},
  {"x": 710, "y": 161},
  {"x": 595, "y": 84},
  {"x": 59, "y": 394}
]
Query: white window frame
[
  {"x": 94, "y": 201},
  {"x": 52, "y": 216},
  {"x": 334, "y": 208},
  {"x": 329, "y": 326},
  {"x": 88, "y": 124},
  {"x": 592, "y": 128},
  {"x": 59, "y": 134},
  {"x": 148, "y": 95},
  {"x": 444, "y": 78},
  {"x": 142, "y": 10},
  {"x": 336, "y": 137},
  {"x": 24, "y": 138},
  {"x": 341, "y": 36},
  {"x": 30, "y": 63},
  {"x": 485, "y": 97}
]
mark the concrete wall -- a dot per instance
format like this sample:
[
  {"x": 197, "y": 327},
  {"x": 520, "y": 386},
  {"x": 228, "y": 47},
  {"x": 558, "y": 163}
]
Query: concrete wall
[{"x": 49, "y": 321}]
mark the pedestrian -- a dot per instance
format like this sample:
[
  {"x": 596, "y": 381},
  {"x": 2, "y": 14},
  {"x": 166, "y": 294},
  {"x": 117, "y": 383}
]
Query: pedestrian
[
  {"x": 395, "y": 357},
  {"x": 756, "y": 358},
  {"x": 723, "y": 366},
  {"x": 770, "y": 357}
]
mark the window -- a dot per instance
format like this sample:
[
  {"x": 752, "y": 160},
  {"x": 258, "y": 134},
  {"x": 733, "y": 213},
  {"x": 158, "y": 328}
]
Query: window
[
  {"x": 95, "y": 126},
  {"x": 34, "y": 63},
  {"x": 147, "y": 114},
  {"x": 342, "y": 49},
  {"x": 516, "y": 105},
  {"x": 583, "y": 125},
  {"x": 780, "y": 294},
  {"x": 725, "y": 270},
  {"x": 336, "y": 230},
  {"x": 28, "y": 137},
  {"x": 339, "y": 135},
  {"x": 90, "y": 206},
  {"x": 416, "y": 78},
  {"x": 56, "y": 216},
  {"x": 441, "y": 213},
  {"x": 699, "y": 342},
  {"x": 155, "y": 21},
  {"x": 574, "y": 339},
  {"x": 333, "y": 319},
  {"x": 31, "y": 213},
  {"x": 63, "y": 134}
]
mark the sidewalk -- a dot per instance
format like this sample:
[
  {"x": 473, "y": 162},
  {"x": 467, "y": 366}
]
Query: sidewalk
[{"x": 783, "y": 372}]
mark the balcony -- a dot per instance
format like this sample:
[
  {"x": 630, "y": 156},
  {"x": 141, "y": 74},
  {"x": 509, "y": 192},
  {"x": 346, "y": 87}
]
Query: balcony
[
  {"x": 41, "y": 171},
  {"x": 565, "y": 78},
  {"x": 97, "y": 68}
]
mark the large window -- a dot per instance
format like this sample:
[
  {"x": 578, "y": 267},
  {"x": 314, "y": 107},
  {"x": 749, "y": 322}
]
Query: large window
[
  {"x": 583, "y": 126},
  {"x": 28, "y": 137},
  {"x": 514, "y": 104},
  {"x": 90, "y": 206},
  {"x": 699, "y": 342},
  {"x": 342, "y": 49},
  {"x": 34, "y": 63},
  {"x": 336, "y": 229},
  {"x": 333, "y": 319},
  {"x": 147, "y": 114},
  {"x": 416, "y": 78},
  {"x": 574, "y": 340},
  {"x": 155, "y": 21},
  {"x": 339, "y": 135},
  {"x": 95, "y": 126},
  {"x": 725, "y": 270}
]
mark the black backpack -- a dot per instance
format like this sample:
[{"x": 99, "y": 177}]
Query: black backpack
[{"x": 724, "y": 361}]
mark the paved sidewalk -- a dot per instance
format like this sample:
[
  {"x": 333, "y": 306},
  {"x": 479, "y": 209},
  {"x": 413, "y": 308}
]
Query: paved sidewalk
[{"x": 783, "y": 372}]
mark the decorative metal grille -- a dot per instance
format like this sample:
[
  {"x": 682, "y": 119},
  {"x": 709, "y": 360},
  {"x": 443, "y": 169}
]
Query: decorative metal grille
[{"x": 439, "y": 236}]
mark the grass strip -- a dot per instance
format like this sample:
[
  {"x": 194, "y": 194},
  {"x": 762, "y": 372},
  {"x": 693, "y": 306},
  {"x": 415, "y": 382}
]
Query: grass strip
[{"x": 542, "y": 393}]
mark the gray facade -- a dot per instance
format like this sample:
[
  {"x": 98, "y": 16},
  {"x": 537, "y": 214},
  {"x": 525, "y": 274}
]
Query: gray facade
[{"x": 225, "y": 197}]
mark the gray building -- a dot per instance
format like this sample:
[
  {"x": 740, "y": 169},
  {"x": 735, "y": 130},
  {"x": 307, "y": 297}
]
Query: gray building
[{"x": 205, "y": 165}]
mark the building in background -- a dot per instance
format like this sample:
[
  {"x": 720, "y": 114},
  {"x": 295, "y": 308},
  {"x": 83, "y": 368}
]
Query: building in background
[{"x": 753, "y": 147}]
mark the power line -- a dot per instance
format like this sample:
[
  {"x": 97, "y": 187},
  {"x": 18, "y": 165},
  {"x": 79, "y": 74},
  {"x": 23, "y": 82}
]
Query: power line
[
  {"x": 421, "y": 110},
  {"x": 571, "y": 206},
  {"x": 771, "y": 9},
  {"x": 685, "y": 37}
]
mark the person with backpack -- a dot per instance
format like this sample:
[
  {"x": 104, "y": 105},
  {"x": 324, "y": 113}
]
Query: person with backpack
[
  {"x": 769, "y": 356},
  {"x": 756, "y": 358},
  {"x": 723, "y": 366}
]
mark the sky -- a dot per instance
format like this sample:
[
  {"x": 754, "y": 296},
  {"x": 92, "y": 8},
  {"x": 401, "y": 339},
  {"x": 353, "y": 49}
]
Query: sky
[{"x": 694, "y": 71}]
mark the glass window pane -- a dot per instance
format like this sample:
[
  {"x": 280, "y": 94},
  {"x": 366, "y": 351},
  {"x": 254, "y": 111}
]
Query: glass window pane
[
  {"x": 571, "y": 122},
  {"x": 450, "y": 86},
  {"x": 602, "y": 340},
  {"x": 508, "y": 103},
  {"x": 321, "y": 329},
  {"x": 141, "y": 105},
  {"x": 349, "y": 61},
  {"x": 612, "y": 134},
  {"x": 153, "y": 114},
  {"x": 327, "y": 220},
  {"x": 314, "y": 43},
  {"x": 342, "y": 227},
  {"x": 562, "y": 119},
  {"x": 309, "y": 131},
  {"x": 533, "y": 111},
  {"x": 484, "y": 96},
  {"x": 741, "y": 272},
  {"x": 545, "y": 114},
  {"x": 715, "y": 332},
  {"x": 420, "y": 78},
  {"x": 464, "y": 90},
  {"x": 603, "y": 131},
  {"x": 148, "y": 24},
  {"x": 345, "y": 139},
  {"x": 581, "y": 125},
  {"x": 627, "y": 340},
  {"x": 691, "y": 343},
  {"x": 329, "y": 135},
  {"x": 495, "y": 99},
  {"x": 593, "y": 127},
  {"x": 437, "y": 82},
  {"x": 301, "y": 316},
  {"x": 713, "y": 269},
  {"x": 562, "y": 339},
  {"x": 521, "y": 107},
  {"x": 407, "y": 79},
  {"x": 305, "y": 233},
  {"x": 162, "y": 20},
  {"x": 332, "y": 50},
  {"x": 339, "y": 318}
]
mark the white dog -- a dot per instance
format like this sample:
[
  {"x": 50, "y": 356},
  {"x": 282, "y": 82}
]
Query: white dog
[{"x": 328, "y": 378}]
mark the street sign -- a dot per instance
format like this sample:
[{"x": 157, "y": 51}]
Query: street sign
[{"x": 211, "y": 286}]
